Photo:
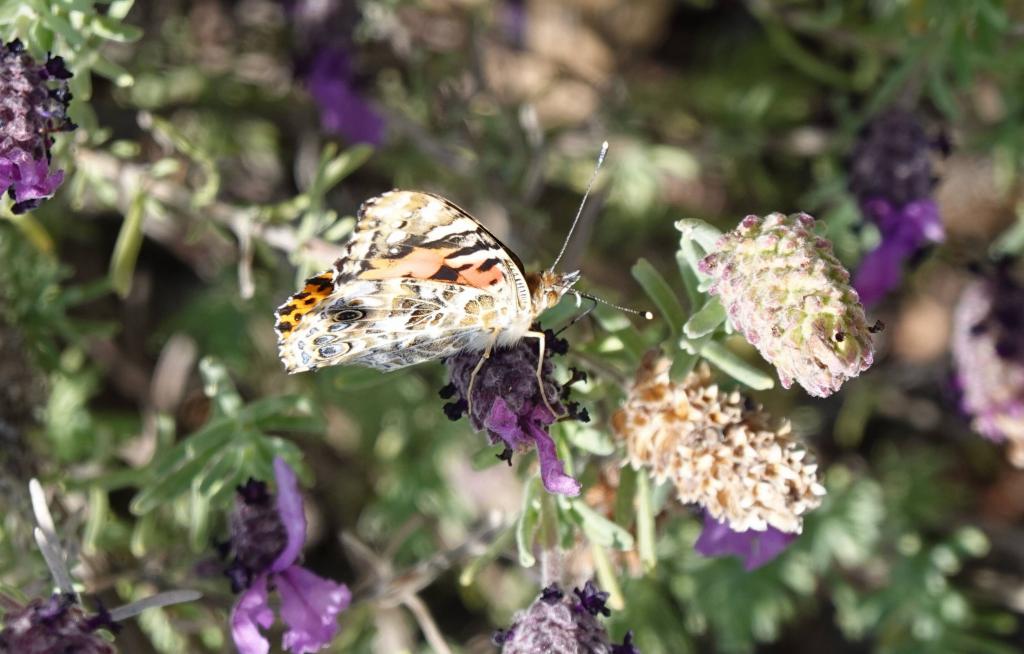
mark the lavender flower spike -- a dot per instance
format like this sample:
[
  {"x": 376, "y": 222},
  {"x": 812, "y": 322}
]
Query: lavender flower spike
[
  {"x": 557, "y": 623},
  {"x": 507, "y": 403},
  {"x": 342, "y": 109},
  {"x": 267, "y": 538},
  {"x": 33, "y": 105},
  {"x": 790, "y": 297},
  {"x": 988, "y": 350},
  {"x": 60, "y": 622},
  {"x": 756, "y": 548}
]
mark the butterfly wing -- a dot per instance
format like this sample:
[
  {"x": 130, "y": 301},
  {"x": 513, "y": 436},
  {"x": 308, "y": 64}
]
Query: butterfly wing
[{"x": 421, "y": 280}]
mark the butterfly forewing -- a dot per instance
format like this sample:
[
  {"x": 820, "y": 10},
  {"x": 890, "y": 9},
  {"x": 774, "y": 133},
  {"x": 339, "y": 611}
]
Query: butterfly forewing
[{"x": 421, "y": 280}]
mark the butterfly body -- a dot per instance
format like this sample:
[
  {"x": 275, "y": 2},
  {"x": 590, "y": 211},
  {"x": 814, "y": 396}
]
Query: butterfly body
[{"x": 421, "y": 279}]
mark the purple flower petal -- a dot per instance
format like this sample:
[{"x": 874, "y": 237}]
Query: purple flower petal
[
  {"x": 552, "y": 472},
  {"x": 31, "y": 179},
  {"x": 756, "y": 548},
  {"x": 880, "y": 271},
  {"x": 289, "y": 507},
  {"x": 342, "y": 110},
  {"x": 250, "y": 613},
  {"x": 504, "y": 422},
  {"x": 309, "y": 606},
  {"x": 904, "y": 230}
]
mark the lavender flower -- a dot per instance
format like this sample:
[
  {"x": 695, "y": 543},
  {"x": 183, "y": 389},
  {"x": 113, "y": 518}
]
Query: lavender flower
[
  {"x": 267, "y": 536},
  {"x": 786, "y": 292},
  {"x": 756, "y": 548},
  {"x": 342, "y": 109},
  {"x": 59, "y": 624},
  {"x": 507, "y": 403},
  {"x": 891, "y": 175},
  {"x": 988, "y": 350},
  {"x": 559, "y": 624},
  {"x": 33, "y": 104},
  {"x": 51, "y": 626}
]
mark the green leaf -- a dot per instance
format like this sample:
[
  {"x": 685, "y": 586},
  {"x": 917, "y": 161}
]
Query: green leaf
[
  {"x": 179, "y": 468},
  {"x": 487, "y": 457},
  {"x": 706, "y": 320},
  {"x": 599, "y": 529},
  {"x": 112, "y": 29},
  {"x": 526, "y": 528},
  {"x": 344, "y": 165},
  {"x": 725, "y": 360},
  {"x": 645, "y": 522},
  {"x": 126, "y": 249},
  {"x": 660, "y": 293},
  {"x": 589, "y": 439}
]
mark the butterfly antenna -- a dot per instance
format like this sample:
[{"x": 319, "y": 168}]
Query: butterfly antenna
[
  {"x": 579, "y": 212},
  {"x": 647, "y": 315}
]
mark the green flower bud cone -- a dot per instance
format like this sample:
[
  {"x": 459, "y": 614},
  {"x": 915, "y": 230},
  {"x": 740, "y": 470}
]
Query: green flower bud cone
[{"x": 786, "y": 292}]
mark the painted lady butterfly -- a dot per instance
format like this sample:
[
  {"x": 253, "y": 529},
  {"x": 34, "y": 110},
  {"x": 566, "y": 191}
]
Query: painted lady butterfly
[{"x": 421, "y": 279}]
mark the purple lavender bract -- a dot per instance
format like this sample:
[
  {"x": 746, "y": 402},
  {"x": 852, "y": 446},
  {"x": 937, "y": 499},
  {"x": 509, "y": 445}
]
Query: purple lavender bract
[
  {"x": 507, "y": 403},
  {"x": 33, "y": 105},
  {"x": 756, "y": 548},
  {"x": 267, "y": 538}
]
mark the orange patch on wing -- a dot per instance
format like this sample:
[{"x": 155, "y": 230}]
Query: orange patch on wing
[
  {"x": 427, "y": 263},
  {"x": 480, "y": 278},
  {"x": 315, "y": 290}
]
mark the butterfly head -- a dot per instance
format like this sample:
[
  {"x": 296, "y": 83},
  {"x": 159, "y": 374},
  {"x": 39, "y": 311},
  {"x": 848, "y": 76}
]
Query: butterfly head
[{"x": 549, "y": 286}]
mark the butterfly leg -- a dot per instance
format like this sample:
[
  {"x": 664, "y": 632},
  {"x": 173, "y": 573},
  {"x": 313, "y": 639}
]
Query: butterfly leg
[
  {"x": 472, "y": 377},
  {"x": 541, "y": 341}
]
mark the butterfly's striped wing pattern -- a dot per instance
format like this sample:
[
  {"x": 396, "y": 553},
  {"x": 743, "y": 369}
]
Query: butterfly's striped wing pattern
[{"x": 420, "y": 279}]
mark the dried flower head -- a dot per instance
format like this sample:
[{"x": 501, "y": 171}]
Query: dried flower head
[
  {"x": 267, "y": 537},
  {"x": 33, "y": 104},
  {"x": 791, "y": 298},
  {"x": 507, "y": 402},
  {"x": 557, "y": 623},
  {"x": 988, "y": 350},
  {"x": 719, "y": 450}
]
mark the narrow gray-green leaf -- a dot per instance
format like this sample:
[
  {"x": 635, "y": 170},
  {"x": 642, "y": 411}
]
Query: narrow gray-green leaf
[
  {"x": 725, "y": 360},
  {"x": 706, "y": 320},
  {"x": 114, "y": 30},
  {"x": 645, "y": 522},
  {"x": 126, "y": 249},
  {"x": 526, "y": 528},
  {"x": 660, "y": 293},
  {"x": 600, "y": 529},
  {"x": 154, "y": 601}
]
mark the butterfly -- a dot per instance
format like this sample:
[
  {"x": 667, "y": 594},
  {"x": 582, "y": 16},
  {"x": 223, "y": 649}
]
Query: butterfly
[{"x": 420, "y": 280}]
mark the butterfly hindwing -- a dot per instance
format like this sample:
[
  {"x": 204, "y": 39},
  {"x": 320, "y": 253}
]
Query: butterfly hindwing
[{"x": 388, "y": 324}]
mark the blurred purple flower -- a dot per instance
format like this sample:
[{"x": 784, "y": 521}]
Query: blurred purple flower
[
  {"x": 507, "y": 403},
  {"x": 267, "y": 538},
  {"x": 756, "y": 548},
  {"x": 342, "y": 110},
  {"x": 904, "y": 231},
  {"x": 33, "y": 105},
  {"x": 891, "y": 174}
]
